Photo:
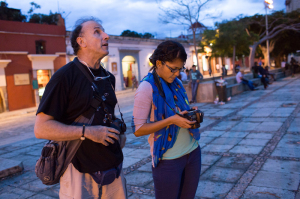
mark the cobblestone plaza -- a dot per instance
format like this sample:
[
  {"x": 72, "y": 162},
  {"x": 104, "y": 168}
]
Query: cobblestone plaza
[{"x": 250, "y": 149}]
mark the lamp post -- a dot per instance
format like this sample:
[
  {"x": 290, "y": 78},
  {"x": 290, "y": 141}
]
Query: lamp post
[{"x": 268, "y": 5}]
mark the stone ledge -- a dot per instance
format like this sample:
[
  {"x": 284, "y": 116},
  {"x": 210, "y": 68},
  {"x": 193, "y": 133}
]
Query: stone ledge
[{"x": 9, "y": 167}]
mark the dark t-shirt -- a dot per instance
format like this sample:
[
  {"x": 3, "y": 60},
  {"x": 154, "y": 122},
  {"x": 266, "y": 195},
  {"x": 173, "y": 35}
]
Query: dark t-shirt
[{"x": 67, "y": 95}]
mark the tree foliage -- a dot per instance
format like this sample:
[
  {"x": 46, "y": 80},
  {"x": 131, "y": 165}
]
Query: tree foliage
[
  {"x": 129, "y": 33},
  {"x": 228, "y": 34},
  {"x": 10, "y": 14},
  {"x": 50, "y": 19},
  {"x": 281, "y": 25},
  {"x": 248, "y": 35},
  {"x": 15, "y": 15}
]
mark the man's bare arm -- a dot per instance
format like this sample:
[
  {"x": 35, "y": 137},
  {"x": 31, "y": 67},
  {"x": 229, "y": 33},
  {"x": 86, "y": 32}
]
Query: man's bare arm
[{"x": 48, "y": 128}]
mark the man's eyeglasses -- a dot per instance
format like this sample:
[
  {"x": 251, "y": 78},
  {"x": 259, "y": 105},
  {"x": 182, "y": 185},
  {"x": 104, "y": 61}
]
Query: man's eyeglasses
[
  {"x": 96, "y": 78},
  {"x": 175, "y": 70}
]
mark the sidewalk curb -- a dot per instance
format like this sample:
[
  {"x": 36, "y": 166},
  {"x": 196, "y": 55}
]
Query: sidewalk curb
[
  {"x": 9, "y": 114},
  {"x": 9, "y": 167}
]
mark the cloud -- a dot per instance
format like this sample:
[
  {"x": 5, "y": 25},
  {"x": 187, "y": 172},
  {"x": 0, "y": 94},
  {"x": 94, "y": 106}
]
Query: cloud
[{"x": 138, "y": 15}]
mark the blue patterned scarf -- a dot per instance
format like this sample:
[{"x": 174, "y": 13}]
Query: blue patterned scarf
[{"x": 175, "y": 94}]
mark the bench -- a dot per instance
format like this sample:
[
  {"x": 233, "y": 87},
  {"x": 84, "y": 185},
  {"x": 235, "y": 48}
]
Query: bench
[{"x": 207, "y": 91}]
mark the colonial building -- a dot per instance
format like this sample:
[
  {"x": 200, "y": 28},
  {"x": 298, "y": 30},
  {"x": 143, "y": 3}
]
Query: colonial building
[
  {"x": 29, "y": 55},
  {"x": 129, "y": 57}
]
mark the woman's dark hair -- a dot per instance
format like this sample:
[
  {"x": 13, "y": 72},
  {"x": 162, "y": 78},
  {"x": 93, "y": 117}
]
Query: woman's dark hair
[
  {"x": 168, "y": 51},
  {"x": 77, "y": 30}
]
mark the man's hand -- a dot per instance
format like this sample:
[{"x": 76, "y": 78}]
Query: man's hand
[
  {"x": 102, "y": 134},
  {"x": 198, "y": 80}
]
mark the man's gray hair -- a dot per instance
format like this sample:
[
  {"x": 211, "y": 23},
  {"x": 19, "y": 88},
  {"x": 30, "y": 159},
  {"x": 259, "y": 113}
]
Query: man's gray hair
[{"x": 77, "y": 30}]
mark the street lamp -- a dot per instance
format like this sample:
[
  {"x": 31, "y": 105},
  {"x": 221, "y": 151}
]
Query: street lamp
[{"x": 268, "y": 5}]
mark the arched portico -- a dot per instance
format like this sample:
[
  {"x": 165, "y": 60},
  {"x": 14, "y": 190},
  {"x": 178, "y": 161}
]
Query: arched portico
[{"x": 134, "y": 54}]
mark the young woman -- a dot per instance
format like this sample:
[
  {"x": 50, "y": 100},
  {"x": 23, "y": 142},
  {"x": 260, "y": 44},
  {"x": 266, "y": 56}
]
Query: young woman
[{"x": 176, "y": 155}]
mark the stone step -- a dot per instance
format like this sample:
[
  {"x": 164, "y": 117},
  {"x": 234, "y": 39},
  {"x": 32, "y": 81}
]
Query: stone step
[{"x": 9, "y": 167}]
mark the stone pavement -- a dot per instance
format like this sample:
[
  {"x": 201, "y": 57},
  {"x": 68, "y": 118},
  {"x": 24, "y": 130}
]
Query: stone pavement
[{"x": 250, "y": 149}]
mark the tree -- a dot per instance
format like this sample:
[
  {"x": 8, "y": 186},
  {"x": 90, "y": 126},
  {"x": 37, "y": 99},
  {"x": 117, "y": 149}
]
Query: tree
[
  {"x": 186, "y": 13},
  {"x": 10, "y": 14},
  {"x": 148, "y": 35},
  {"x": 51, "y": 19},
  {"x": 279, "y": 23},
  {"x": 33, "y": 7},
  {"x": 229, "y": 39},
  {"x": 129, "y": 33}
]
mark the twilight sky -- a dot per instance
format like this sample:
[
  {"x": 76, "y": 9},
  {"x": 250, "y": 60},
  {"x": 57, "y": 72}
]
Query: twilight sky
[{"x": 138, "y": 15}]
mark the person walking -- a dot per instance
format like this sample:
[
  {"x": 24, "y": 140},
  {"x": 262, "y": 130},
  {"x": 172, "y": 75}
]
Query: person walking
[
  {"x": 176, "y": 155},
  {"x": 69, "y": 94},
  {"x": 195, "y": 77}
]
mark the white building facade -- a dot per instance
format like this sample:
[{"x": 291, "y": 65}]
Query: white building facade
[{"x": 129, "y": 58}]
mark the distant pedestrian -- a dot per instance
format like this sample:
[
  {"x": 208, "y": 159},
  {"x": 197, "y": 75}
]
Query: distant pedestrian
[
  {"x": 209, "y": 71},
  {"x": 224, "y": 71},
  {"x": 294, "y": 65},
  {"x": 183, "y": 77},
  {"x": 187, "y": 72},
  {"x": 195, "y": 77},
  {"x": 283, "y": 67},
  {"x": 134, "y": 82}
]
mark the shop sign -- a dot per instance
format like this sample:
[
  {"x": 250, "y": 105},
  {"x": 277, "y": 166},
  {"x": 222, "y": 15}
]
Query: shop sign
[
  {"x": 35, "y": 84},
  {"x": 21, "y": 79}
]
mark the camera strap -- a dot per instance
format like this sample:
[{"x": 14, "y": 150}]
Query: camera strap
[
  {"x": 161, "y": 91},
  {"x": 97, "y": 100}
]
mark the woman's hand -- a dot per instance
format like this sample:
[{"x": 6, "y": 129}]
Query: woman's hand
[
  {"x": 195, "y": 107},
  {"x": 180, "y": 121}
]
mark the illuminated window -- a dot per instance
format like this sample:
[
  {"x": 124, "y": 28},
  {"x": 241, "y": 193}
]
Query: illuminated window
[{"x": 40, "y": 47}]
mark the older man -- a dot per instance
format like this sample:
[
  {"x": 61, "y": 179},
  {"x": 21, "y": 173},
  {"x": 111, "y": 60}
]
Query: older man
[{"x": 68, "y": 94}]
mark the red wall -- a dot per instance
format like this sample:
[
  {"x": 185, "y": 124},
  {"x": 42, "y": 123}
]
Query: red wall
[
  {"x": 19, "y": 96},
  {"x": 59, "y": 62},
  {"x": 15, "y": 26},
  {"x": 20, "y": 36},
  {"x": 15, "y": 40}
]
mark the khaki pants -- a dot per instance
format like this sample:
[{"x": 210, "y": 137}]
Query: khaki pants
[{"x": 76, "y": 185}]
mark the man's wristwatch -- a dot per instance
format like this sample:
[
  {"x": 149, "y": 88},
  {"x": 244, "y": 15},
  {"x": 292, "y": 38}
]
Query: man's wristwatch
[{"x": 83, "y": 130}]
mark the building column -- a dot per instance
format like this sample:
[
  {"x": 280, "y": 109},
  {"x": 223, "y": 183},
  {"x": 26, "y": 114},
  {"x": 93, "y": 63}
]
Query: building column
[{"x": 3, "y": 91}]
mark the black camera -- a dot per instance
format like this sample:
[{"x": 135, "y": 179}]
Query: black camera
[
  {"x": 194, "y": 115},
  {"x": 119, "y": 125}
]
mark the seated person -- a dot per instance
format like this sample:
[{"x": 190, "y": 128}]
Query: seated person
[
  {"x": 264, "y": 76},
  {"x": 240, "y": 79},
  {"x": 271, "y": 74},
  {"x": 255, "y": 70}
]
